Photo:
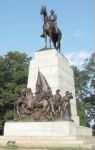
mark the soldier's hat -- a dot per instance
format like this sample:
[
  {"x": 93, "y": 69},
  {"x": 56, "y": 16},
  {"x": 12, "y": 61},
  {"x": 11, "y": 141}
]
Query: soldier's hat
[
  {"x": 58, "y": 90},
  {"x": 23, "y": 90},
  {"x": 28, "y": 90},
  {"x": 51, "y": 11},
  {"x": 67, "y": 92}
]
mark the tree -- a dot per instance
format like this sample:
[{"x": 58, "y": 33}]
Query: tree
[
  {"x": 81, "y": 113},
  {"x": 13, "y": 78},
  {"x": 90, "y": 99},
  {"x": 85, "y": 89},
  {"x": 90, "y": 68},
  {"x": 81, "y": 79}
]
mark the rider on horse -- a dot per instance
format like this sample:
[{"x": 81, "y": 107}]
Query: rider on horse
[
  {"x": 53, "y": 19},
  {"x": 53, "y": 22}
]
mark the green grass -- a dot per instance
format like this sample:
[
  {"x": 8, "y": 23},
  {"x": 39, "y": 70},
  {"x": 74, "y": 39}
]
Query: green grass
[{"x": 45, "y": 148}]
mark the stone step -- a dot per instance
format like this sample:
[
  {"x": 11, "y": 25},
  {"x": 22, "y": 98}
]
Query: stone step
[{"x": 45, "y": 141}]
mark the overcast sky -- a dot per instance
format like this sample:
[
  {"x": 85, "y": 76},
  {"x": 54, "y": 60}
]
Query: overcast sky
[{"x": 21, "y": 26}]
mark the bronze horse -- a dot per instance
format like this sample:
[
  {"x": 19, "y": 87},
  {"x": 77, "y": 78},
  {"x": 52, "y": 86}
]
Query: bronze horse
[{"x": 50, "y": 31}]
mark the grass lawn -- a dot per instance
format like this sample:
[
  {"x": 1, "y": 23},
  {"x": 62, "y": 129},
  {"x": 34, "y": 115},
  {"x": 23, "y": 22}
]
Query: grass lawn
[{"x": 52, "y": 148}]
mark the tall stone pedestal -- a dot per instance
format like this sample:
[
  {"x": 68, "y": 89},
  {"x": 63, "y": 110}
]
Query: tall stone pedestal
[{"x": 57, "y": 71}]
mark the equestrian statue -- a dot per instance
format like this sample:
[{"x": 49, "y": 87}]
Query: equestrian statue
[{"x": 51, "y": 29}]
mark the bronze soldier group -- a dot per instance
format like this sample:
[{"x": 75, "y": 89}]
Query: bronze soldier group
[{"x": 43, "y": 106}]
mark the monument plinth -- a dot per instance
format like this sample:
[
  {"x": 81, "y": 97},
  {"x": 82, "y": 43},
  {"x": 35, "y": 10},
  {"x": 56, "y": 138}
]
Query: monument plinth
[{"x": 56, "y": 68}]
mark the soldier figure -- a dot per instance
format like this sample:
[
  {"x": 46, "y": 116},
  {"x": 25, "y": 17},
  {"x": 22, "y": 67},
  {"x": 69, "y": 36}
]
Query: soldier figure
[
  {"x": 21, "y": 103},
  {"x": 53, "y": 19},
  {"x": 57, "y": 100},
  {"x": 30, "y": 99},
  {"x": 53, "y": 22},
  {"x": 67, "y": 107}
]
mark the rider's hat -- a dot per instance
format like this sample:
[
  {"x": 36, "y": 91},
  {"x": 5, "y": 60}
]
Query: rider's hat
[
  {"x": 51, "y": 11},
  {"x": 67, "y": 92},
  {"x": 58, "y": 90}
]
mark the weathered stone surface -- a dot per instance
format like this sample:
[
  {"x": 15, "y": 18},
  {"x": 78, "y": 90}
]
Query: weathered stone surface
[
  {"x": 54, "y": 141},
  {"x": 45, "y": 129},
  {"x": 56, "y": 68}
]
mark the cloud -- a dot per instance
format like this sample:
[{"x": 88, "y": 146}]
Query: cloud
[{"x": 77, "y": 58}]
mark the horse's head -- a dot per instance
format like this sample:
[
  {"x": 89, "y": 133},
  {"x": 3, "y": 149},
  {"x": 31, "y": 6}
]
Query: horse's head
[{"x": 43, "y": 10}]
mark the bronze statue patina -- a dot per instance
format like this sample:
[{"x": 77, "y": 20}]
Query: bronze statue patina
[
  {"x": 43, "y": 106},
  {"x": 57, "y": 103},
  {"x": 66, "y": 110},
  {"x": 53, "y": 19},
  {"x": 50, "y": 28}
]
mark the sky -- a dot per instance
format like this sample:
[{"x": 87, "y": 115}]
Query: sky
[{"x": 21, "y": 26}]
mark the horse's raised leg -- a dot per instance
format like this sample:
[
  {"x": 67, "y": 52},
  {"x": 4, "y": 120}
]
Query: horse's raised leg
[
  {"x": 45, "y": 41},
  {"x": 58, "y": 45},
  {"x": 54, "y": 43},
  {"x": 50, "y": 39}
]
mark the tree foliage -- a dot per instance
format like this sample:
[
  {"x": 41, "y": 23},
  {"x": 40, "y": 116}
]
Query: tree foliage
[
  {"x": 90, "y": 100},
  {"x": 81, "y": 86},
  {"x": 85, "y": 89},
  {"x": 13, "y": 77},
  {"x": 81, "y": 113}
]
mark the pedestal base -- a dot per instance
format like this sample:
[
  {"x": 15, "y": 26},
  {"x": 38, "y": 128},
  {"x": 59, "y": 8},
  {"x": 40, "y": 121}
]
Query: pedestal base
[
  {"x": 60, "y": 128},
  {"x": 46, "y": 134}
]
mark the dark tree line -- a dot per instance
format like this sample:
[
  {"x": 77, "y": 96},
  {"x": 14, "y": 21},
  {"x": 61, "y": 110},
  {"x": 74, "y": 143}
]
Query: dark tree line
[{"x": 13, "y": 77}]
